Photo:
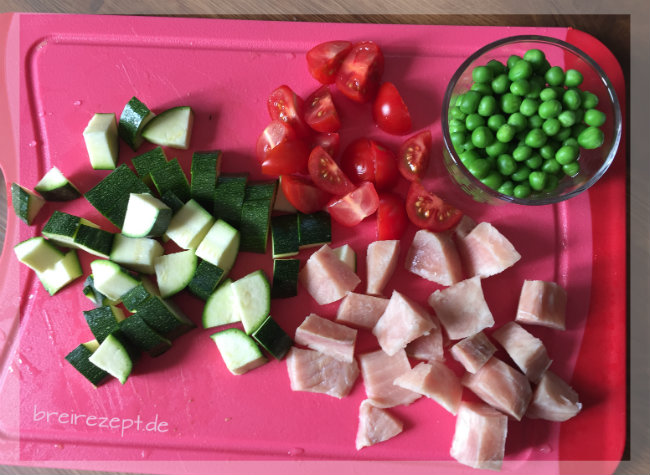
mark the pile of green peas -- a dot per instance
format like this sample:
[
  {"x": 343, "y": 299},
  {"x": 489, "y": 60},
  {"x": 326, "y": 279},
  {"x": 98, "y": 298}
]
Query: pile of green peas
[{"x": 520, "y": 127}]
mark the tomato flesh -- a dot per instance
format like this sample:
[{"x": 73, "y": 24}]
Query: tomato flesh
[
  {"x": 285, "y": 105},
  {"x": 320, "y": 112},
  {"x": 413, "y": 156},
  {"x": 324, "y": 59},
  {"x": 367, "y": 160},
  {"x": 273, "y": 134},
  {"x": 286, "y": 158},
  {"x": 326, "y": 174},
  {"x": 356, "y": 206},
  {"x": 428, "y": 211},
  {"x": 360, "y": 73},
  {"x": 303, "y": 194},
  {"x": 390, "y": 112},
  {"x": 391, "y": 217},
  {"x": 329, "y": 141}
]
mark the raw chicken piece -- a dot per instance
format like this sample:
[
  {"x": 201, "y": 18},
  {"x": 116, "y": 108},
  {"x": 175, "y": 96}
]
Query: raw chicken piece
[
  {"x": 434, "y": 257},
  {"x": 402, "y": 322},
  {"x": 328, "y": 337},
  {"x": 326, "y": 277},
  {"x": 501, "y": 386},
  {"x": 462, "y": 309},
  {"x": 553, "y": 400},
  {"x": 542, "y": 303},
  {"x": 436, "y": 381},
  {"x": 428, "y": 347},
  {"x": 381, "y": 261},
  {"x": 486, "y": 252},
  {"x": 480, "y": 436},
  {"x": 313, "y": 371},
  {"x": 528, "y": 352},
  {"x": 473, "y": 352},
  {"x": 379, "y": 370},
  {"x": 361, "y": 310},
  {"x": 375, "y": 425},
  {"x": 464, "y": 226}
]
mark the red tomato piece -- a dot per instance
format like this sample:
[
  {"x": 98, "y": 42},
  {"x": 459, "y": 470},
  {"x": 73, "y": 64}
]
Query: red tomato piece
[
  {"x": 391, "y": 217},
  {"x": 324, "y": 59},
  {"x": 329, "y": 141},
  {"x": 413, "y": 156},
  {"x": 273, "y": 135},
  {"x": 428, "y": 211},
  {"x": 286, "y": 158},
  {"x": 303, "y": 194},
  {"x": 326, "y": 174},
  {"x": 287, "y": 106},
  {"x": 367, "y": 160},
  {"x": 351, "y": 209},
  {"x": 320, "y": 112},
  {"x": 390, "y": 112},
  {"x": 360, "y": 73}
]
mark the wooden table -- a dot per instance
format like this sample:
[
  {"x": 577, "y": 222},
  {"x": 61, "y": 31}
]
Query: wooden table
[{"x": 624, "y": 34}]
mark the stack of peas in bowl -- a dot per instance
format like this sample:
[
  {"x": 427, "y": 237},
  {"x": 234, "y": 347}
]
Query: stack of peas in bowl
[{"x": 520, "y": 127}]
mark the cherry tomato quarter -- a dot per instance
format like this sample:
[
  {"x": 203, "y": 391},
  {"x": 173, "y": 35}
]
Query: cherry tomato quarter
[
  {"x": 367, "y": 160},
  {"x": 285, "y": 105},
  {"x": 324, "y": 60},
  {"x": 360, "y": 73},
  {"x": 326, "y": 174},
  {"x": 351, "y": 209},
  {"x": 320, "y": 112},
  {"x": 390, "y": 112},
  {"x": 273, "y": 134},
  {"x": 413, "y": 156},
  {"x": 428, "y": 211},
  {"x": 286, "y": 158},
  {"x": 303, "y": 194},
  {"x": 391, "y": 217},
  {"x": 329, "y": 141}
]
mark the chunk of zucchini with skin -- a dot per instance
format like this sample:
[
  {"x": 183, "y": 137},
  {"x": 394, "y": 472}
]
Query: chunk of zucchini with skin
[
  {"x": 113, "y": 357},
  {"x": 171, "y": 128},
  {"x": 133, "y": 119},
  {"x": 79, "y": 359},
  {"x": 54, "y": 186},
  {"x": 220, "y": 245},
  {"x": 205, "y": 280},
  {"x": 253, "y": 299},
  {"x": 164, "y": 317},
  {"x": 171, "y": 200},
  {"x": 26, "y": 203},
  {"x": 175, "y": 271},
  {"x": 229, "y": 198},
  {"x": 314, "y": 229},
  {"x": 143, "y": 336},
  {"x": 285, "y": 278},
  {"x": 103, "y": 320},
  {"x": 94, "y": 295},
  {"x": 100, "y": 136},
  {"x": 239, "y": 351},
  {"x": 273, "y": 338},
  {"x": 62, "y": 228},
  {"x": 111, "y": 279},
  {"x": 189, "y": 225},
  {"x": 146, "y": 216},
  {"x": 93, "y": 240},
  {"x": 204, "y": 172},
  {"x": 284, "y": 235},
  {"x": 255, "y": 225},
  {"x": 220, "y": 308},
  {"x": 148, "y": 161},
  {"x": 138, "y": 254},
  {"x": 62, "y": 273},
  {"x": 138, "y": 294},
  {"x": 171, "y": 177},
  {"x": 37, "y": 253}
]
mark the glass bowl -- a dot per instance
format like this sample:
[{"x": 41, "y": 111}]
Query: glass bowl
[{"x": 592, "y": 163}]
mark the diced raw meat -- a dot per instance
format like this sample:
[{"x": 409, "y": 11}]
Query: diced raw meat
[
  {"x": 381, "y": 261},
  {"x": 473, "y": 351},
  {"x": 402, "y": 322},
  {"x": 328, "y": 337},
  {"x": 375, "y": 425},
  {"x": 464, "y": 226},
  {"x": 361, "y": 310},
  {"x": 486, "y": 252},
  {"x": 436, "y": 381},
  {"x": 480, "y": 436},
  {"x": 501, "y": 386},
  {"x": 428, "y": 347},
  {"x": 553, "y": 400},
  {"x": 542, "y": 303},
  {"x": 434, "y": 256},
  {"x": 326, "y": 277},
  {"x": 378, "y": 371},
  {"x": 525, "y": 350},
  {"x": 462, "y": 309},
  {"x": 313, "y": 371}
]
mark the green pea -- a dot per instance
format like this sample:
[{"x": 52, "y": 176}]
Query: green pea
[
  {"x": 545, "y": 66},
  {"x": 571, "y": 141},
  {"x": 493, "y": 180},
  {"x": 566, "y": 154},
  {"x": 468, "y": 145},
  {"x": 521, "y": 174},
  {"x": 551, "y": 166},
  {"x": 469, "y": 102},
  {"x": 571, "y": 169},
  {"x": 549, "y": 109},
  {"x": 594, "y": 117},
  {"x": 591, "y": 137},
  {"x": 522, "y": 152},
  {"x": 520, "y": 87},
  {"x": 548, "y": 149},
  {"x": 495, "y": 121},
  {"x": 512, "y": 60},
  {"x": 496, "y": 148},
  {"x": 500, "y": 84},
  {"x": 554, "y": 76},
  {"x": 521, "y": 70},
  {"x": 572, "y": 99},
  {"x": 577, "y": 129},
  {"x": 456, "y": 125},
  {"x": 563, "y": 134},
  {"x": 567, "y": 118},
  {"x": 468, "y": 156},
  {"x": 518, "y": 121},
  {"x": 552, "y": 182},
  {"x": 536, "y": 85},
  {"x": 505, "y": 133},
  {"x": 589, "y": 99},
  {"x": 456, "y": 113},
  {"x": 522, "y": 191},
  {"x": 474, "y": 121},
  {"x": 482, "y": 136},
  {"x": 506, "y": 188},
  {"x": 535, "y": 138},
  {"x": 458, "y": 138},
  {"x": 534, "y": 162},
  {"x": 479, "y": 168},
  {"x": 580, "y": 115},
  {"x": 535, "y": 57},
  {"x": 506, "y": 164},
  {"x": 482, "y": 74},
  {"x": 535, "y": 121},
  {"x": 510, "y": 103},
  {"x": 482, "y": 88},
  {"x": 496, "y": 66},
  {"x": 548, "y": 94},
  {"x": 487, "y": 106},
  {"x": 572, "y": 78},
  {"x": 528, "y": 107},
  {"x": 551, "y": 126},
  {"x": 537, "y": 180}
]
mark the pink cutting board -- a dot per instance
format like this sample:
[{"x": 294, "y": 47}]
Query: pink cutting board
[{"x": 183, "y": 412}]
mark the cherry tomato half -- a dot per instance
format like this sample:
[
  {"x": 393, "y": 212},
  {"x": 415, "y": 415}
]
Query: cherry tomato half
[
  {"x": 274, "y": 134},
  {"x": 285, "y": 105},
  {"x": 413, "y": 156},
  {"x": 329, "y": 141},
  {"x": 303, "y": 194},
  {"x": 366, "y": 160},
  {"x": 359, "y": 75},
  {"x": 324, "y": 60},
  {"x": 354, "y": 207},
  {"x": 320, "y": 112},
  {"x": 391, "y": 217},
  {"x": 390, "y": 112},
  {"x": 428, "y": 211},
  {"x": 326, "y": 174},
  {"x": 286, "y": 158}
]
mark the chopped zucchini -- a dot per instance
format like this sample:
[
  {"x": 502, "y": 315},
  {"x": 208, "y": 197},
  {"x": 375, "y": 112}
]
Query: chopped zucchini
[
  {"x": 174, "y": 271},
  {"x": 95, "y": 296},
  {"x": 285, "y": 278},
  {"x": 254, "y": 226},
  {"x": 137, "y": 295},
  {"x": 54, "y": 186},
  {"x": 100, "y": 136},
  {"x": 205, "y": 280},
  {"x": 220, "y": 245},
  {"x": 62, "y": 228},
  {"x": 314, "y": 229},
  {"x": 37, "y": 253},
  {"x": 164, "y": 317},
  {"x": 171, "y": 177},
  {"x": 94, "y": 240},
  {"x": 103, "y": 320},
  {"x": 239, "y": 351},
  {"x": 78, "y": 358},
  {"x": 220, "y": 308},
  {"x": 189, "y": 225},
  {"x": 273, "y": 338},
  {"x": 111, "y": 279},
  {"x": 134, "y": 117},
  {"x": 62, "y": 273},
  {"x": 347, "y": 256},
  {"x": 171, "y": 128},
  {"x": 138, "y": 254},
  {"x": 229, "y": 198},
  {"x": 253, "y": 299},
  {"x": 113, "y": 357},
  {"x": 26, "y": 203},
  {"x": 204, "y": 172},
  {"x": 264, "y": 190},
  {"x": 171, "y": 200},
  {"x": 143, "y": 336},
  {"x": 146, "y": 216},
  {"x": 284, "y": 235},
  {"x": 151, "y": 160}
]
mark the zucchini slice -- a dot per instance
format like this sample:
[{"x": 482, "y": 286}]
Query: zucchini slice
[
  {"x": 62, "y": 228},
  {"x": 137, "y": 295},
  {"x": 229, "y": 198},
  {"x": 148, "y": 161},
  {"x": 134, "y": 117},
  {"x": 103, "y": 320},
  {"x": 111, "y": 279},
  {"x": 253, "y": 299},
  {"x": 100, "y": 136},
  {"x": 171, "y": 177},
  {"x": 171, "y": 128},
  {"x": 284, "y": 235},
  {"x": 205, "y": 280},
  {"x": 113, "y": 357},
  {"x": 94, "y": 295},
  {"x": 94, "y": 240},
  {"x": 164, "y": 317},
  {"x": 314, "y": 229},
  {"x": 78, "y": 358},
  {"x": 175, "y": 271},
  {"x": 189, "y": 225},
  {"x": 220, "y": 308},
  {"x": 285, "y": 278},
  {"x": 143, "y": 336},
  {"x": 138, "y": 254},
  {"x": 54, "y": 186},
  {"x": 62, "y": 273},
  {"x": 146, "y": 216},
  {"x": 239, "y": 351},
  {"x": 204, "y": 172},
  {"x": 171, "y": 200},
  {"x": 26, "y": 203},
  {"x": 255, "y": 225},
  {"x": 37, "y": 253},
  {"x": 273, "y": 338},
  {"x": 220, "y": 245}
]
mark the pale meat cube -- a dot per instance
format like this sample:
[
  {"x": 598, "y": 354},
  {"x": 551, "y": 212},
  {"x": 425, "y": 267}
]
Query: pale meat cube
[
  {"x": 480, "y": 436},
  {"x": 313, "y": 371},
  {"x": 326, "y": 277},
  {"x": 553, "y": 400},
  {"x": 375, "y": 425},
  {"x": 402, "y": 322},
  {"x": 486, "y": 252},
  {"x": 361, "y": 310},
  {"x": 462, "y": 309},
  {"x": 379, "y": 371},
  {"x": 473, "y": 352},
  {"x": 501, "y": 386},
  {"x": 464, "y": 226},
  {"x": 435, "y": 381},
  {"x": 328, "y": 337},
  {"x": 428, "y": 347},
  {"x": 528, "y": 352},
  {"x": 381, "y": 261},
  {"x": 542, "y": 303},
  {"x": 434, "y": 257}
]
